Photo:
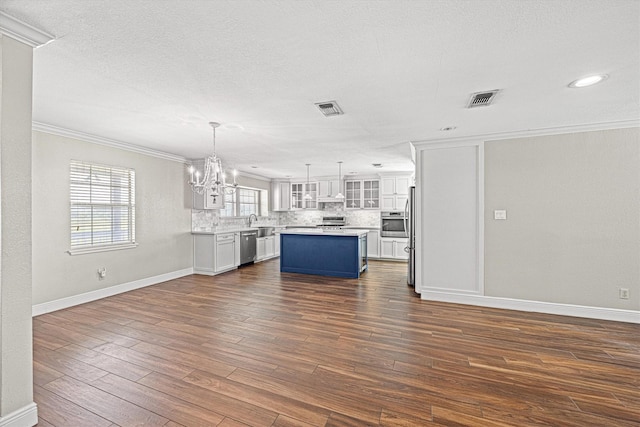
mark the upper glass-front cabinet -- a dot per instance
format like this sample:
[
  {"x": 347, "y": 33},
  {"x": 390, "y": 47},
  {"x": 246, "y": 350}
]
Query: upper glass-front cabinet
[
  {"x": 371, "y": 196},
  {"x": 353, "y": 194},
  {"x": 298, "y": 193},
  {"x": 362, "y": 194}
]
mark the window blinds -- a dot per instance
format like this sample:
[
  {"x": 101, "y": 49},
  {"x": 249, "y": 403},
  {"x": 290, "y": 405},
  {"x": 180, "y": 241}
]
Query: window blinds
[{"x": 102, "y": 205}]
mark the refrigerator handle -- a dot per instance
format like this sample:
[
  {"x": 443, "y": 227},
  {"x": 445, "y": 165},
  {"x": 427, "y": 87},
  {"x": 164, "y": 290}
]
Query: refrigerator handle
[{"x": 405, "y": 220}]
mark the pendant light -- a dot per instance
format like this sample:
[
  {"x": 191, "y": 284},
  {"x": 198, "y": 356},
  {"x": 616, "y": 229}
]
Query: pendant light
[
  {"x": 307, "y": 196},
  {"x": 340, "y": 196}
]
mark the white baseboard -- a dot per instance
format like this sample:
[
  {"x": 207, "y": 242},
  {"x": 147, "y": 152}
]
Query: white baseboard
[
  {"x": 618, "y": 315},
  {"x": 27, "y": 416},
  {"x": 61, "y": 303}
]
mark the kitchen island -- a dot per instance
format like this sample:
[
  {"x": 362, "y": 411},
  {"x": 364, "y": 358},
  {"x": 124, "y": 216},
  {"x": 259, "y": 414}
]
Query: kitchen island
[{"x": 339, "y": 253}]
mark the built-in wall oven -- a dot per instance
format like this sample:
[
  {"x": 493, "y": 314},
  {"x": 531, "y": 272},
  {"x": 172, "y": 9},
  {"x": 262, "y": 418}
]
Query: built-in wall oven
[{"x": 392, "y": 224}]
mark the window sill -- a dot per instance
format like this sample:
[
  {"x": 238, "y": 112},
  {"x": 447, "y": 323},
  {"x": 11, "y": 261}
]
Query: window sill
[{"x": 94, "y": 249}]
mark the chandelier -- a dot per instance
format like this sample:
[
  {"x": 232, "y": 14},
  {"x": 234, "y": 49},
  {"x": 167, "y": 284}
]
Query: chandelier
[{"x": 214, "y": 177}]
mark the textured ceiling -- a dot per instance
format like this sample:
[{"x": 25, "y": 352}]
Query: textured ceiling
[{"x": 154, "y": 73}]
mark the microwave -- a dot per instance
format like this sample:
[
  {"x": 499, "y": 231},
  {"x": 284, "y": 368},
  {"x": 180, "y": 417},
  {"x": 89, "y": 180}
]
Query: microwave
[{"x": 393, "y": 224}]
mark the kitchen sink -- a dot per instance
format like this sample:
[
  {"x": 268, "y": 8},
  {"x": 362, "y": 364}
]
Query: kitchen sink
[{"x": 265, "y": 231}]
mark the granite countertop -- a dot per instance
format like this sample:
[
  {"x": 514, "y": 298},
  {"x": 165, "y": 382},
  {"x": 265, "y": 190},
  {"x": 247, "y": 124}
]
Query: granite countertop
[
  {"x": 310, "y": 228},
  {"x": 215, "y": 230}
]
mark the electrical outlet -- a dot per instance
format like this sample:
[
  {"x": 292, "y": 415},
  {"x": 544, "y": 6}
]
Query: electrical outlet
[
  {"x": 102, "y": 273},
  {"x": 623, "y": 293},
  {"x": 500, "y": 214}
]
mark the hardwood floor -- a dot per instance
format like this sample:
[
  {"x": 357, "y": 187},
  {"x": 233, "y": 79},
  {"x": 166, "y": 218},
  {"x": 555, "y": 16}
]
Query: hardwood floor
[{"x": 259, "y": 348}]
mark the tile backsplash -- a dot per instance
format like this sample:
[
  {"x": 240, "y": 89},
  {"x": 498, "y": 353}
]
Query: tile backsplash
[
  {"x": 362, "y": 218},
  {"x": 210, "y": 220}
]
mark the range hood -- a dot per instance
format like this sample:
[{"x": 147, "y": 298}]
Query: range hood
[{"x": 329, "y": 200}]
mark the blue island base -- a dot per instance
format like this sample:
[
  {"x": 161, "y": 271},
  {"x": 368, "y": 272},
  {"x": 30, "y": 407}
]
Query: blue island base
[{"x": 322, "y": 254}]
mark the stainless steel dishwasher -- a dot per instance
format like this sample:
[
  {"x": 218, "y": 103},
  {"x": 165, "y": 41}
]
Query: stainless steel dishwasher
[{"x": 248, "y": 246}]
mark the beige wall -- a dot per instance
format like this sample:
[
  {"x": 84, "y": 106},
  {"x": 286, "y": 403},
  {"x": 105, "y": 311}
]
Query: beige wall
[
  {"x": 16, "y": 381},
  {"x": 572, "y": 233},
  {"x": 247, "y": 181},
  {"x": 163, "y": 220}
]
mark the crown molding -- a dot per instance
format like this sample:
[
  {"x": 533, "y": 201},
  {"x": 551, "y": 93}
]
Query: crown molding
[
  {"x": 23, "y": 32},
  {"x": 54, "y": 130},
  {"x": 531, "y": 133}
]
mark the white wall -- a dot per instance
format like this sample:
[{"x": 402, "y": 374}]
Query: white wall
[
  {"x": 572, "y": 233},
  {"x": 163, "y": 220}
]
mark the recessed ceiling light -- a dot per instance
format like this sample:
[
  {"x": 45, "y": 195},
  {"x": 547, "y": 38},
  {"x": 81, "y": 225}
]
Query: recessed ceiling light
[
  {"x": 448, "y": 128},
  {"x": 588, "y": 81},
  {"x": 254, "y": 167},
  {"x": 376, "y": 165}
]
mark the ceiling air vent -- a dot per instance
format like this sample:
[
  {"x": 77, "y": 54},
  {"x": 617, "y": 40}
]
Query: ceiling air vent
[
  {"x": 482, "y": 99},
  {"x": 329, "y": 108}
]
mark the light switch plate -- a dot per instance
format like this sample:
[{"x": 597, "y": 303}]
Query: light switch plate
[{"x": 500, "y": 214}]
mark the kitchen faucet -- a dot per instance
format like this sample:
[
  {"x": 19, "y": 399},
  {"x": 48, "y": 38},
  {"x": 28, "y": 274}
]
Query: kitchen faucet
[{"x": 252, "y": 216}]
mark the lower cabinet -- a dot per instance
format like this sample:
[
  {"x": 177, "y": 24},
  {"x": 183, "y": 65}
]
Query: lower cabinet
[
  {"x": 276, "y": 245},
  {"x": 215, "y": 253},
  {"x": 261, "y": 248},
  {"x": 393, "y": 248},
  {"x": 373, "y": 244},
  {"x": 225, "y": 252},
  {"x": 266, "y": 247},
  {"x": 270, "y": 246}
]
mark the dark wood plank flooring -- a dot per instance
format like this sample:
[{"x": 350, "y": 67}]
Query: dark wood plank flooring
[{"x": 254, "y": 347}]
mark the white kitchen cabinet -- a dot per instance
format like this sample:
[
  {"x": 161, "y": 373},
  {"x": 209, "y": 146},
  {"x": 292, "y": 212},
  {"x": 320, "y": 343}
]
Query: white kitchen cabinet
[
  {"x": 215, "y": 253},
  {"x": 301, "y": 189},
  {"x": 208, "y": 200},
  {"x": 266, "y": 247},
  {"x": 270, "y": 246},
  {"x": 395, "y": 192},
  {"x": 362, "y": 194},
  {"x": 373, "y": 244},
  {"x": 393, "y": 248},
  {"x": 371, "y": 194},
  {"x": 276, "y": 245},
  {"x": 396, "y": 185},
  {"x": 261, "y": 248},
  {"x": 353, "y": 194},
  {"x": 393, "y": 203},
  {"x": 225, "y": 252},
  {"x": 280, "y": 196}
]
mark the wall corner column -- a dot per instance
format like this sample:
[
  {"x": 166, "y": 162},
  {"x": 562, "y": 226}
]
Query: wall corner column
[{"x": 17, "y": 407}]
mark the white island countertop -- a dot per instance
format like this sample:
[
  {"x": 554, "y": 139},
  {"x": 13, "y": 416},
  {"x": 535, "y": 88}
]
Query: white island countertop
[{"x": 321, "y": 232}]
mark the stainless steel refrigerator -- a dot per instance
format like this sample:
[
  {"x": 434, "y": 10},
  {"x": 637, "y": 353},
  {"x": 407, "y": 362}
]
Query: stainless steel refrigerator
[{"x": 410, "y": 229}]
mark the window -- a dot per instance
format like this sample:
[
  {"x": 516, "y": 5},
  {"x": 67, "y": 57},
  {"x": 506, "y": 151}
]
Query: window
[
  {"x": 249, "y": 201},
  {"x": 229, "y": 205},
  {"x": 244, "y": 202},
  {"x": 102, "y": 207}
]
